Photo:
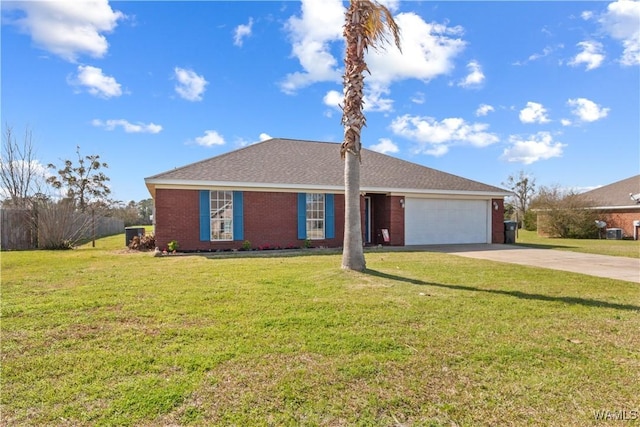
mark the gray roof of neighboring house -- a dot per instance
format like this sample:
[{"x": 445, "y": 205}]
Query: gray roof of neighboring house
[
  {"x": 297, "y": 163},
  {"x": 616, "y": 194}
]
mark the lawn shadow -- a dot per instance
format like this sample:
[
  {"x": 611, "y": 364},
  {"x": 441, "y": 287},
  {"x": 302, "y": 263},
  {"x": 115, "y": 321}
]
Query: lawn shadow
[{"x": 517, "y": 294}]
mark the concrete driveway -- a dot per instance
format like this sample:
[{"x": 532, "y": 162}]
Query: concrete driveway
[{"x": 620, "y": 268}]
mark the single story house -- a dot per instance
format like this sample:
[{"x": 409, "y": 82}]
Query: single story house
[
  {"x": 290, "y": 193},
  {"x": 618, "y": 204}
]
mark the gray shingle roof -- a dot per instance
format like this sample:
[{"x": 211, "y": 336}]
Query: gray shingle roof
[
  {"x": 288, "y": 162},
  {"x": 615, "y": 194}
]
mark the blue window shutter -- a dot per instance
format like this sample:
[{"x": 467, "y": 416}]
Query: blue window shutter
[
  {"x": 302, "y": 216},
  {"x": 329, "y": 217},
  {"x": 205, "y": 216},
  {"x": 238, "y": 216}
]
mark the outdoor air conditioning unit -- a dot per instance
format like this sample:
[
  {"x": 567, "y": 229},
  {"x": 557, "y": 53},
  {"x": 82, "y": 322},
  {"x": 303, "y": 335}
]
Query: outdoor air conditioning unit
[{"x": 614, "y": 233}]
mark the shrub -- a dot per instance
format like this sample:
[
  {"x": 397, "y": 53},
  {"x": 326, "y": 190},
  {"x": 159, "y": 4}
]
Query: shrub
[
  {"x": 530, "y": 221},
  {"x": 146, "y": 242},
  {"x": 173, "y": 246},
  {"x": 565, "y": 214}
]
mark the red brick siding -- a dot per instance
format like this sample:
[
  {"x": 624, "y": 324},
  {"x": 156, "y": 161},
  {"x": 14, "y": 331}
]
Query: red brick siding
[
  {"x": 272, "y": 219},
  {"x": 269, "y": 219},
  {"x": 497, "y": 221},
  {"x": 396, "y": 220},
  {"x": 177, "y": 218},
  {"x": 621, "y": 219}
]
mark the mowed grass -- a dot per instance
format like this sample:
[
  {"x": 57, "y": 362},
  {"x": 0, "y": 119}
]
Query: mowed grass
[
  {"x": 626, "y": 248},
  {"x": 101, "y": 336}
]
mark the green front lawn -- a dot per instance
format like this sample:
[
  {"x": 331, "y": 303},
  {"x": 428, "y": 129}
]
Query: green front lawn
[
  {"x": 626, "y": 248},
  {"x": 106, "y": 337}
]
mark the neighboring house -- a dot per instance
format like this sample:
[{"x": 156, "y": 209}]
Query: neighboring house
[
  {"x": 285, "y": 193},
  {"x": 619, "y": 204}
]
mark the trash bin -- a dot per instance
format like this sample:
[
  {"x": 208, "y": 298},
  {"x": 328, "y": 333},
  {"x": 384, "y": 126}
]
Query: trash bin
[
  {"x": 510, "y": 228},
  {"x": 131, "y": 232}
]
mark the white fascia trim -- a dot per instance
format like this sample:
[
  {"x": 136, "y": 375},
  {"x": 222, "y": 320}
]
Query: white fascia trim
[
  {"x": 615, "y": 207},
  {"x": 445, "y": 193}
]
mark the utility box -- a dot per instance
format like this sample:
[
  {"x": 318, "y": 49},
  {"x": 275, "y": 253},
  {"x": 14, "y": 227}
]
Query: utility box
[
  {"x": 510, "y": 228},
  {"x": 131, "y": 232},
  {"x": 614, "y": 233}
]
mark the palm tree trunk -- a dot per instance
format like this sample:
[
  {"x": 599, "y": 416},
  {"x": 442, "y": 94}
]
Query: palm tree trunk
[
  {"x": 352, "y": 252},
  {"x": 353, "y": 120}
]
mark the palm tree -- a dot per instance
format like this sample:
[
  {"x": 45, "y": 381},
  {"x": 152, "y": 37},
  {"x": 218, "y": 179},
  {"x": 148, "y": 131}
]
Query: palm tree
[{"x": 367, "y": 24}]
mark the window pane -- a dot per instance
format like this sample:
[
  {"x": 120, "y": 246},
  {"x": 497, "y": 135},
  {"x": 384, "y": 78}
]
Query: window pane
[
  {"x": 221, "y": 215},
  {"x": 315, "y": 216}
]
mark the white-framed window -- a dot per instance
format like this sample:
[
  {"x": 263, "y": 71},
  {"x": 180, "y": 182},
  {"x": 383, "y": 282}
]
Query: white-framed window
[
  {"x": 315, "y": 216},
  {"x": 221, "y": 215}
]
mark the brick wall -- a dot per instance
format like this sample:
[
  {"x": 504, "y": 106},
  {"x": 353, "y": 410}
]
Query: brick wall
[
  {"x": 396, "y": 220},
  {"x": 177, "y": 218},
  {"x": 497, "y": 221},
  {"x": 621, "y": 219},
  {"x": 270, "y": 219}
]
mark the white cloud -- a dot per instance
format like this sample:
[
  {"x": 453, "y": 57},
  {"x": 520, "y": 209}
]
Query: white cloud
[
  {"x": 418, "y": 98},
  {"x": 374, "y": 99},
  {"x": 566, "y": 122},
  {"x": 475, "y": 76},
  {"x": 435, "y": 137},
  {"x": 241, "y": 32},
  {"x": 190, "y": 85},
  {"x": 546, "y": 51},
  {"x": 540, "y": 146},
  {"x": 392, "y": 5},
  {"x": 484, "y": 109},
  {"x": 311, "y": 34},
  {"x": 333, "y": 99},
  {"x": 241, "y": 142},
  {"x": 622, "y": 22},
  {"x": 586, "y": 15},
  {"x": 384, "y": 146},
  {"x": 127, "y": 126},
  {"x": 95, "y": 82},
  {"x": 210, "y": 138},
  {"x": 67, "y": 28},
  {"x": 428, "y": 51},
  {"x": 534, "y": 113},
  {"x": 592, "y": 55},
  {"x": 587, "y": 110}
]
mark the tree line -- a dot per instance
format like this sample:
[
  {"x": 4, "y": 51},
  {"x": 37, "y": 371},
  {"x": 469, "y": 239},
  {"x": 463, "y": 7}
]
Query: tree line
[
  {"x": 77, "y": 186},
  {"x": 552, "y": 210}
]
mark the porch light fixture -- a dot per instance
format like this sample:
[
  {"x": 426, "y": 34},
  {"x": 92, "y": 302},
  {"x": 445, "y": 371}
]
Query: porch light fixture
[
  {"x": 402, "y": 203},
  {"x": 495, "y": 206}
]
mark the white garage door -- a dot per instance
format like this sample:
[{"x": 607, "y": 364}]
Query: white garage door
[{"x": 443, "y": 221}]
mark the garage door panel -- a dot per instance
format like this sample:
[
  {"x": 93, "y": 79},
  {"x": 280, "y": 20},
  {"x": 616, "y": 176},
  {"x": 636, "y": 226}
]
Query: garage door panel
[{"x": 445, "y": 221}]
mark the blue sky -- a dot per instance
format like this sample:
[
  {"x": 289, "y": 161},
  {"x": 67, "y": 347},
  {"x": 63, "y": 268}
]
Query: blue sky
[{"x": 481, "y": 89}]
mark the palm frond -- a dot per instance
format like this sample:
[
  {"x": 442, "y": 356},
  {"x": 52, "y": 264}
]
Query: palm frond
[{"x": 378, "y": 24}]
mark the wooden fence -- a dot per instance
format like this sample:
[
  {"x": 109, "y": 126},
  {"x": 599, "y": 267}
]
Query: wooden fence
[{"x": 28, "y": 229}]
